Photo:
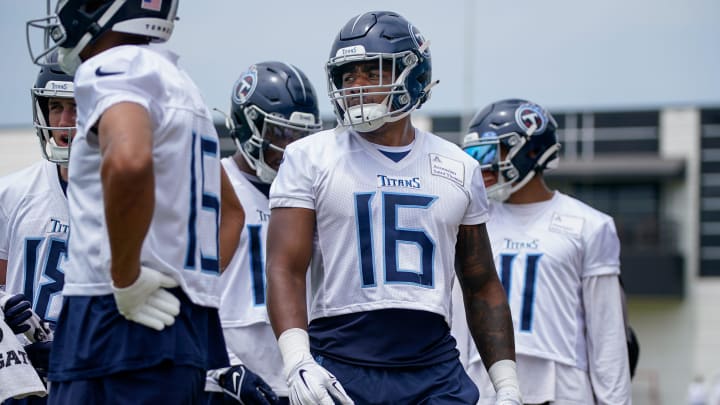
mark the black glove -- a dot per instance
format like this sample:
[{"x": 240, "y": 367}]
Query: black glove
[
  {"x": 245, "y": 387},
  {"x": 39, "y": 354},
  {"x": 17, "y": 310}
]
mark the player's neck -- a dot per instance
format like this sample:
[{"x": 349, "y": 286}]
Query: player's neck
[
  {"x": 63, "y": 173},
  {"x": 242, "y": 164},
  {"x": 533, "y": 192},
  {"x": 109, "y": 40},
  {"x": 398, "y": 133}
]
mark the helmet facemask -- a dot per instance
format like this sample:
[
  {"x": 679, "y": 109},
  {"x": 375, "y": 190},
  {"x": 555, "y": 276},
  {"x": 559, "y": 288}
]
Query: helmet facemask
[
  {"x": 495, "y": 153},
  {"x": 274, "y": 129},
  {"x": 351, "y": 104},
  {"x": 41, "y": 111}
]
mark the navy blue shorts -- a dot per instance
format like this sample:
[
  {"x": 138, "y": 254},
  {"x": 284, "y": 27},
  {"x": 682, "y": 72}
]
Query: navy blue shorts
[
  {"x": 31, "y": 400},
  {"x": 217, "y": 398},
  {"x": 162, "y": 384},
  {"x": 93, "y": 340},
  {"x": 442, "y": 383}
]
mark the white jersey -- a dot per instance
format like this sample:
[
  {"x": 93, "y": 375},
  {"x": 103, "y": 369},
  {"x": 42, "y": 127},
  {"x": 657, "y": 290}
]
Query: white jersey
[
  {"x": 34, "y": 225},
  {"x": 386, "y": 230},
  {"x": 242, "y": 303},
  {"x": 542, "y": 253},
  {"x": 558, "y": 258},
  {"x": 243, "y": 281},
  {"x": 183, "y": 237}
]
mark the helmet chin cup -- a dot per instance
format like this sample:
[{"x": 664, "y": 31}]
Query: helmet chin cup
[
  {"x": 68, "y": 60},
  {"x": 265, "y": 173},
  {"x": 500, "y": 192},
  {"x": 366, "y": 117}
]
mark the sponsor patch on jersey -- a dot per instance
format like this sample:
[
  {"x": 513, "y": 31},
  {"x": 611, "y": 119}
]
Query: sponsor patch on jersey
[
  {"x": 566, "y": 224},
  {"x": 531, "y": 117},
  {"x": 398, "y": 181},
  {"x": 245, "y": 85},
  {"x": 450, "y": 169}
]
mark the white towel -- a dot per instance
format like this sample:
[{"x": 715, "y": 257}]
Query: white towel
[{"x": 18, "y": 378}]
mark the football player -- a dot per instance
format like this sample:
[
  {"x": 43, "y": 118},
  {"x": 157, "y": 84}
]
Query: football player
[
  {"x": 385, "y": 210},
  {"x": 558, "y": 260},
  {"x": 139, "y": 321},
  {"x": 34, "y": 221},
  {"x": 273, "y": 104}
]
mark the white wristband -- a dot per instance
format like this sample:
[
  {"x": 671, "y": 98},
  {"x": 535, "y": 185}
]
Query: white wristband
[
  {"x": 503, "y": 373},
  {"x": 294, "y": 346}
]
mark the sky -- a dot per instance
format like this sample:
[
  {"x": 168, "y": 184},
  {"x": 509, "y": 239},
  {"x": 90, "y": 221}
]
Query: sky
[{"x": 566, "y": 55}]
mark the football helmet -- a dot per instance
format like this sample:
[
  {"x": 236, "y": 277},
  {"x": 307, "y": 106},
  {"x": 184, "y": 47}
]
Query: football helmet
[
  {"x": 399, "y": 50},
  {"x": 78, "y": 23},
  {"x": 51, "y": 82},
  {"x": 528, "y": 135},
  {"x": 272, "y": 104}
]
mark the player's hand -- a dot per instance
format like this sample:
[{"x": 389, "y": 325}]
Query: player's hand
[
  {"x": 246, "y": 387},
  {"x": 508, "y": 396},
  {"x": 18, "y": 310},
  {"x": 310, "y": 383},
  {"x": 39, "y": 354},
  {"x": 146, "y": 301},
  {"x": 21, "y": 319}
]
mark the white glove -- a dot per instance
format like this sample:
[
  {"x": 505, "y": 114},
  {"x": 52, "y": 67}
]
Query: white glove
[
  {"x": 508, "y": 396},
  {"x": 309, "y": 382},
  {"x": 146, "y": 301},
  {"x": 503, "y": 375}
]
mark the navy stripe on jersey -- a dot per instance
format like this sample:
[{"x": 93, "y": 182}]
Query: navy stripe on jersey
[
  {"x": 394, "y": 156},
  {"x": 384, "y": 338}
]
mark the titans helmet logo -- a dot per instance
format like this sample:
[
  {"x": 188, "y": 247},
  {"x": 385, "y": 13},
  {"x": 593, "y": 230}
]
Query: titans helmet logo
[
  {"x": 532, "y": 118},
  {"x": 418, "y": 38},
  {"x": 245, "y": 85}
]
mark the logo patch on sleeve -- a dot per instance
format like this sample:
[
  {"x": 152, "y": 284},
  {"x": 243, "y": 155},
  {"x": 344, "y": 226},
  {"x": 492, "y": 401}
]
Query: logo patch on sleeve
[{"x": 450, "y": 169}]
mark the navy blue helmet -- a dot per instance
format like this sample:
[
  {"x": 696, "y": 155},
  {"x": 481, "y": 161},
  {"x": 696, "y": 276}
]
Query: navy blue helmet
[
  {"x": 271, "y": 102},
  {"x": 51, "y": 82},
  {"x": 397, "y": 47},
  {"x": 528, "y": 134},
  {"x": 78, "y": 23}
]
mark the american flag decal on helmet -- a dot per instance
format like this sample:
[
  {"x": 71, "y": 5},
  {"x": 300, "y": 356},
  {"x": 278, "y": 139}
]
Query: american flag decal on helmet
[{"x": 154, "y": 5}]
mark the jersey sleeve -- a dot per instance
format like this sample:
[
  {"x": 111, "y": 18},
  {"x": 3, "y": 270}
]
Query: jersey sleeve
[
  {"x": 116, "y": 78},
  {"x": 602, "y": 251},
  {"x": 477, "y": 211},
  {"x": 293, "y": 185},
  {"x": 606, "y": 340}
]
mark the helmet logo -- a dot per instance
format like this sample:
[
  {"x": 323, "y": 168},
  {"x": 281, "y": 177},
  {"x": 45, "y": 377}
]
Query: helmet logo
[
  {"x": 417, "y": 37},
  {"x": 532, "y": 118},
  {"x": 154, "y": 5},
  {"x": 245, "y": 86}
]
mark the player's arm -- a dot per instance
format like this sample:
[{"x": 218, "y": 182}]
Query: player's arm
[
  {"x": 289, "y": 249},
  {"x": 606, "y": 339},
  {"x": 486, "y": 306},
  {"x": 487, "y": 310},
  {"x": 126, "y": 171},
  {"x": 125, "y": 138},
  {"x": 232, "y": 220}
]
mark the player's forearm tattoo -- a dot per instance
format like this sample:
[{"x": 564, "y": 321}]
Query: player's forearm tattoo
[{"x": 488, "y": 313}]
